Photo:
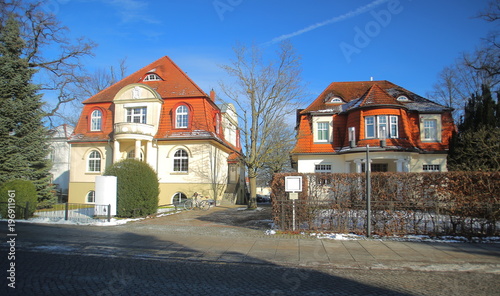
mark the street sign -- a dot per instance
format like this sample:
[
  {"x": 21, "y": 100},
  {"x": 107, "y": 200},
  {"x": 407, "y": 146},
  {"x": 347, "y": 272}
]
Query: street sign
[
  {"x": 293, "y": 195},
  {"x": 293, "y": 184}
]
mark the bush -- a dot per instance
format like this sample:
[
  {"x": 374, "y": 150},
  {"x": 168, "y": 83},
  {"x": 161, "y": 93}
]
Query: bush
[
  {"x": 138, "y": 188},
  {"x": 21, "y": 191}
]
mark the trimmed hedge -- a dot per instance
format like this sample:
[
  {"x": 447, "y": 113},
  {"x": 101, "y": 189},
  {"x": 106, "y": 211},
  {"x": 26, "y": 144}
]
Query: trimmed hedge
[
  {"x": 21, "y": 191},
  {"x": 452, "y": 203},
  {"x": 137, "y": 188}
]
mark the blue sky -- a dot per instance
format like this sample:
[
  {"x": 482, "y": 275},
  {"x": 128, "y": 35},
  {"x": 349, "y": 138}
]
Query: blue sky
[{"x": 407, "y": 42}]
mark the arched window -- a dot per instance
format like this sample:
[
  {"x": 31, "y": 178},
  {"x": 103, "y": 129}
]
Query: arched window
[
  {"x": 91, "y": 196},
  {"x": 94, "y": 162},
  {"x": 152, "y": 77},
  {"x": 179, "y": 198},
  {"x": 181, "y": 161},
  {"x": 95, "y": 120},
  {"x": 181, "y": 117}
]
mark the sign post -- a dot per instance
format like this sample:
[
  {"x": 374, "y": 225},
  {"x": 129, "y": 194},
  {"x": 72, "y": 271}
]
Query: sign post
[
  {"x": 293, "y": 185},
  {"x": 368, "y": 193}
]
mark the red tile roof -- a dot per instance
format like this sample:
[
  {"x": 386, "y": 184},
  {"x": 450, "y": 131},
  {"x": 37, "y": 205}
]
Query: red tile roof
[
  {"x": 175, "y": 88},
  {"x": 363, "y": 98},
  {"x": 175, "y": 82},
  {"x": 377, "y": 96},
  {"x": 353, "y": 90}
]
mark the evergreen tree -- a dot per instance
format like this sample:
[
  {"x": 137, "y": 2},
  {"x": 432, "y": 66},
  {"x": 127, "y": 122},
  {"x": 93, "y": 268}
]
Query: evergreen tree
[
  {"x": 476, "y": 146},
  {"x": 23, "y": 138}
]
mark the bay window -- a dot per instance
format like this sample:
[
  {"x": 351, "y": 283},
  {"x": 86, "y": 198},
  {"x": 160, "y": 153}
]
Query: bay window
[
  {"x": 137, "y": 115},
  {"x": 381, "y": 126}
]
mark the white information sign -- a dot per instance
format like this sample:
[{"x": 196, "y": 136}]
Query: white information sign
[{"x": 293, "y": 184}]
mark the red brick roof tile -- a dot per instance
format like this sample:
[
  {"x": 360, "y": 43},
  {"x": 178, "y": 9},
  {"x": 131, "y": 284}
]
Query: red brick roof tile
[{"x": 175, "y": 83}]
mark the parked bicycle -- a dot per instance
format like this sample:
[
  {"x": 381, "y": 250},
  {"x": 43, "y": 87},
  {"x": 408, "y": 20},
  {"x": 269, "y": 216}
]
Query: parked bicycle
[{"x": 197, "y": 201}]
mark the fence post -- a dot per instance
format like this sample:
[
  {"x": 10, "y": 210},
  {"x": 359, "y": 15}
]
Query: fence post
[
  {"x": 66, "y": 212},
  {"x": 27, "y": 211},
  {"x": 109, "y": 213}
]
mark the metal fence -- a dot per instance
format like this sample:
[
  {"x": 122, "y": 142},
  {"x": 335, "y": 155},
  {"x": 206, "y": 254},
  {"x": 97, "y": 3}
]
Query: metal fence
[
  {"x": 388, "y": 217},
  {"x": 80, "y": 213}
]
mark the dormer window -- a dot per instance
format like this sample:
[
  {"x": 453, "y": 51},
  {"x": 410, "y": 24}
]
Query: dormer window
[
  {"x": 152, "y": 77},
  {"x": 333, "y": 99},
  {"x": 95, "y": 120},
  {"x": 403, "y": 99}
]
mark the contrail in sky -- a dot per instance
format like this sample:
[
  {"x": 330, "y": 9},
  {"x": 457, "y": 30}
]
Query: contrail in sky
[{"x": 336, "y": 19}]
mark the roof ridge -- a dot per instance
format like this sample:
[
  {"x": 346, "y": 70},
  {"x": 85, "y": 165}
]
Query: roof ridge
[
  {"x": 131, "y": 74},
  {"x": 376, "y": 95},
  {"x": 186, "y": 76}
]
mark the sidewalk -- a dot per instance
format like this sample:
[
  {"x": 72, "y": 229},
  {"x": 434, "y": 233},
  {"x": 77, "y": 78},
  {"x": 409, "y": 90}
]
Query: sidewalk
[{"x": 206, "y": 236}]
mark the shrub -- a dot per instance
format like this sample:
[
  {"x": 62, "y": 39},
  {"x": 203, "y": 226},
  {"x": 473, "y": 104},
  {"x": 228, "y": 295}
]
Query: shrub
[
  {"x": 21, "y": 191},
  {"x": 138, "y": 188}
]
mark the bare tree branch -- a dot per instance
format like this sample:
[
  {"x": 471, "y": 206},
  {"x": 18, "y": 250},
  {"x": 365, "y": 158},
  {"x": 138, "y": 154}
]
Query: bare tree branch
[{"x": 266, "y": 94}]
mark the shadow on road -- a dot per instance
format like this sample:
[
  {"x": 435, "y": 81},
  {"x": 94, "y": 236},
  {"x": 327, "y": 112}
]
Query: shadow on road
[{"x": 73, "y": 260}]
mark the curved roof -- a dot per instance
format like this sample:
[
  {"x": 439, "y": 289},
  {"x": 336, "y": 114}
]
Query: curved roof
[
  {"x": 358, "y": 94},
  {"x": 174, "y": 82}
]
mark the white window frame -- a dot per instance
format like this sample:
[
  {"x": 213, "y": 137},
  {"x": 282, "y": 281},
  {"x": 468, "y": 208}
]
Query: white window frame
[
  {"x": 152, "y": 77},
  {"x": 96, "y": 120},
  {"x": 94, "y": 161},
  {"x": 137, "y": 114},
  {"x": 370, "y": 127},
  {"x": 181, "y": 161},
  {"x": 431, "y": 168},
  {"x": 430, "y": 129},
  {"x": 90, "y": 198},
  {"x": 323, "y": 168},
  {"x": 323, "y": 129},
  {"x": 182, "y": 117},
  {"x": 381, "y": 127},
  {"x": 428, "y": 133},
  {"x": 319, "y": 124}
]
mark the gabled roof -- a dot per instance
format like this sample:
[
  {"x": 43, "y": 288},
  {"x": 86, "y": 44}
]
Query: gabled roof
[
  {"x": 370, "y": 93},
  {"x": 174, "y": 84},
  {"x": 377, "y": 96}
]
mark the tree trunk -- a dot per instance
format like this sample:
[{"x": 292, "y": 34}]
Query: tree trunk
[{"x": 252, "y": 202}]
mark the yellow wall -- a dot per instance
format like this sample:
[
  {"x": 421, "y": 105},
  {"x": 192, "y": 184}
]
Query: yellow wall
[
  {"x": 78, "y": 191},
  {"x": 168, "y": 190}
]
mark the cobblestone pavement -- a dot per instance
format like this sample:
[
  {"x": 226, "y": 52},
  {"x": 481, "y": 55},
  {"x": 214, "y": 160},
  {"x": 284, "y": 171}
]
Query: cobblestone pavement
[
  {"x": 60, "y": 274},
  {"x": 225, "y": 252}
]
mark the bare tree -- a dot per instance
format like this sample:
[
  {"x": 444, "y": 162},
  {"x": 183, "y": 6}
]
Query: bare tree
[
  {"x": 277, "y": 152},
  {"x": 265, "y": 94},
  {"x": 471, "y": 71},
  {"x": 44, "y": 34}
]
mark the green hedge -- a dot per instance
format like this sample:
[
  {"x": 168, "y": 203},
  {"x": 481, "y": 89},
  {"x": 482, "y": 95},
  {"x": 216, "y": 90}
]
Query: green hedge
[
  {"x": 19, "y": 192},
  {"x": 138, "y": 188}
]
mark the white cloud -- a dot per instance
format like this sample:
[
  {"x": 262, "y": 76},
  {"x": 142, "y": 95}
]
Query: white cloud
[
  {"x": 336, "y": 19},
  {"x": 133, "y": 11}
]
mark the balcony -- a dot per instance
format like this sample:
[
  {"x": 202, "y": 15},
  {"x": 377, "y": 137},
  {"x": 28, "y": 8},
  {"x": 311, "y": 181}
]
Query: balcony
[{"x": 134, "y": 129}]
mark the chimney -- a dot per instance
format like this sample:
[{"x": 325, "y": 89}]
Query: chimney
[{"x": 212, "y": 95}]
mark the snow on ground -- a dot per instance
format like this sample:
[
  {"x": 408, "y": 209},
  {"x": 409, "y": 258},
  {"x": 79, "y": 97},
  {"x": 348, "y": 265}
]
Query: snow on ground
[
  {"x": 406, "y": 238},
  {"x": 87, "y": 221}
]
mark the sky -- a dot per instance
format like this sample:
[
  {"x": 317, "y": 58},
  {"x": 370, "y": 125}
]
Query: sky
[{"x": 407, "y": 42}]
